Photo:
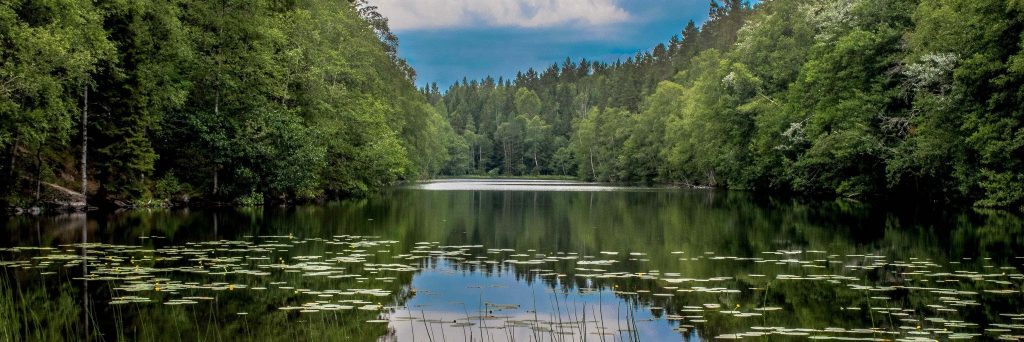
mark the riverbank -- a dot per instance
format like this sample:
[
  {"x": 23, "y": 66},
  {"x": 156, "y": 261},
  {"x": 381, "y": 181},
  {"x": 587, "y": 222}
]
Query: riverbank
[
  {"x": 530, "y": 177},
  {"x": 59, "y": 200}
]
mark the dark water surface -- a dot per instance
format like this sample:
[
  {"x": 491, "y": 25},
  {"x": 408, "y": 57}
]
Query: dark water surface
[{"x": 517, "y": 260}]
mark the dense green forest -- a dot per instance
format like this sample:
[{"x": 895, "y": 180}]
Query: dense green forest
[
  {"x": 857, "y": 98},
  {"x": 254, "y": 101},
  {"x": 227, "y": 101}
]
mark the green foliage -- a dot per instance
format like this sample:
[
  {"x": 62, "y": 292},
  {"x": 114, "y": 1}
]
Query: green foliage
[
  {"x": 707, "y": 138},
  {"x": 169, "y": 187},
  {"x": 292, "y": 100},
  {"x": 48, "y": 51},
  {"x": 527, "y": 102},
  {"x": 966, "y": 79},
  {"x": 856, "y": 98},
  {"x": 601, "y": 128},
  {"x": 251, "y": 200},
  {"x": 301, "y": 100},
  {"x": 525, "y": 125},
  {"x": 641, "y": 158},
  {"x": 536, "y": 136}
]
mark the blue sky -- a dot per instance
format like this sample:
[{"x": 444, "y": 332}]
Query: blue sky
[{"x": 446, "y": 40}]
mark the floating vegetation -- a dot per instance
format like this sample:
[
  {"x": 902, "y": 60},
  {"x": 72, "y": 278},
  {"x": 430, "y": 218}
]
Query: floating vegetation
[{"x": 582, "y": 295}]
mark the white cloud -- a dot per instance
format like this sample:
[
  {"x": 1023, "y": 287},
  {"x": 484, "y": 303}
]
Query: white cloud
[{"x": 405, "y": 15}]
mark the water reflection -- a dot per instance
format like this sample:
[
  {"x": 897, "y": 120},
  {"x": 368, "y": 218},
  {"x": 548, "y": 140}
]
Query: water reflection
[
  {"x": 86, "y": 334},
  {"x": 503, "y": 305},
  {"x": 416, "y": 264},
  {"x": 513, "y": 185}
]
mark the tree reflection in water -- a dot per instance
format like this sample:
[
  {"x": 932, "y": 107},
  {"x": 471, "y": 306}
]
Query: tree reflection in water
[{"x": 503, "y": 264}]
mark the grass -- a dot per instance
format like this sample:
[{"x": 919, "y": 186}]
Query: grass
[{"x": 9, "y": 322}]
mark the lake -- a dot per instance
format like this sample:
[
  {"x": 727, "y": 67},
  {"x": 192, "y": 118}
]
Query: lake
[{"x": 523, "y": 260}]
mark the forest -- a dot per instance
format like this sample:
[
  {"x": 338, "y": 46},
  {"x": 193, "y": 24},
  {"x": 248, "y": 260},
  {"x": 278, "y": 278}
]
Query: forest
[
  {"x": 916, "y": 99},
  {"x": 150, "y": 102}
]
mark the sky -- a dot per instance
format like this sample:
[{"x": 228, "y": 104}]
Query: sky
[{"x": 446, "y": 40}]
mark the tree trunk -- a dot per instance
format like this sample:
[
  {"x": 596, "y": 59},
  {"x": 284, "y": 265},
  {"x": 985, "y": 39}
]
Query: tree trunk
[
  {"x": 85, "y": 146},
  {"x": 593, "y": 170},
  {"x": 522, "y": 160},
  {"x": 8, "y": 183},
  {"x": 536, "y": 164},
  {"x": 215, "y": 181},
  {"x": 216, "y": 114},
  {"x": 508, "y": 157},
  {"x": 216, "y": 104},
  {"x": 14, "y": 158},
  {"x": 39, "y": 173}
]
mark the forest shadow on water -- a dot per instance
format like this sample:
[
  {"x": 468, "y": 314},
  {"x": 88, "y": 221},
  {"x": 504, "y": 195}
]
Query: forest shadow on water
[{"x": 472, "y": 260}]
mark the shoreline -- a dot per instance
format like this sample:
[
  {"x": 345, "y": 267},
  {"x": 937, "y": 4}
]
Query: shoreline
[{"x": 57, "y": 207}]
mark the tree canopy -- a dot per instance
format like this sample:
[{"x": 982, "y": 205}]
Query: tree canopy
[
  {"x": 221, "y": 100},
  {"x": 264, "y": 100},
  {"x": 861, "y": 98}
]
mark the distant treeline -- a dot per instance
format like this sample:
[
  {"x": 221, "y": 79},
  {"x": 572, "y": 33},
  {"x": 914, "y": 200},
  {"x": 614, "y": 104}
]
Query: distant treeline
[
  {"x": 855, "y": 98},
  {"x": 227, "y": 100}
]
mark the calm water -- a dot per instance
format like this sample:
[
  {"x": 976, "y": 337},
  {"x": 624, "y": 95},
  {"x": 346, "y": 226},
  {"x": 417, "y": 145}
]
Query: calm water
[{"x": 517, "y": 260}]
